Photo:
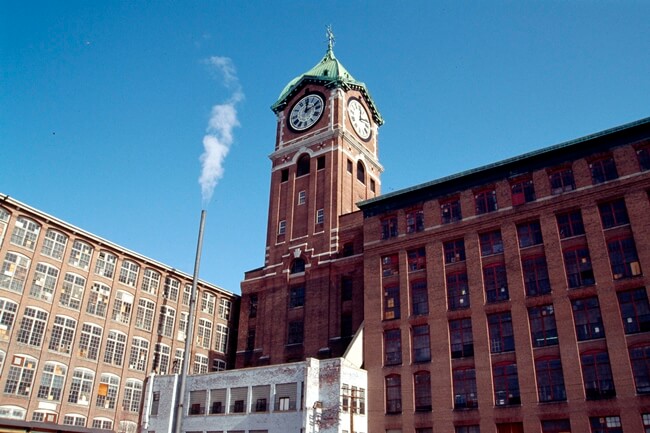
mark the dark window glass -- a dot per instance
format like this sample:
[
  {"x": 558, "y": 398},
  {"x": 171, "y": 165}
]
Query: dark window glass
[
  {"x": 485, "y": 201},
  {"x": 491, "y": 243},
  {"x": 391, "y": 303},
  {"x": 543, "y": 328},
  {"x": 320, "y": 163},
  {"x": 536, "y": 276},
  {"x": 393, "y": 394},
  {"x": 252, "y": 305},
  {"x": 523, "y": 191},
  {"x": 457, "y": 291},
  {"x": 570, "y": 224},
  {"x": 556, "y": 426},
  {"x": 643, "y": 154},
  {"x": 623, "y": 258},
  {"x": 302, "y": 167},
  {"x": 417, "y": 259},
  {"x": 389, "y": 227},
  {"x": 297, "y": 266},
  {"x": 420, "y": 298},
  {"x": 421, "y": 343},
  {"x": 296, "y": 332},
  {"x": 529, "y": 233},
  {"x": 465, "y": 393},
  {"x": 562, "y": 181},
  {"x": 460, "y": 336},
  {"x": 454, "y": 251},
  {"x": 587, "y": 319},
  {"x": 415, "y": 221},
  {"x": 550, "y": 380},
  {"x": 361, "y": 172},
  {"x": 613, "y": 213},
  {"x": 284, "y": 175},
  {"x": 597, "y": 375},
  {"x": 393, "y": 347},
  {"x": 450, "y": 211},
  {"x": 390, "y": 265},
  {"x": 605, "y": 424},
  {"x": 297, "y": 297},
  {"x": 506, "y": 384},
  {"x": 346, "y": 288},
  {"x": 422, "y": 388},
  {"x": 501, "y": 334},
  {"x": 496, "y": 283},
  {"x": 603, "y": 170},
  {"x": 635, "y": 310},
  {"x": 640, "y": 360},
  {"x": 578, "y": 268}
]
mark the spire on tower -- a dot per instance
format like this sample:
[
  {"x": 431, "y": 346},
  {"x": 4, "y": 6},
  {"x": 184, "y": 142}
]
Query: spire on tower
[{"x": 330, "y": 39}]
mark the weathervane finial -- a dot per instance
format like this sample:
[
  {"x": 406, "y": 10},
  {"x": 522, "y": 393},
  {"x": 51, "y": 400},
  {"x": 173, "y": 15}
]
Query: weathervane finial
[{"x": 330, "y": 38}]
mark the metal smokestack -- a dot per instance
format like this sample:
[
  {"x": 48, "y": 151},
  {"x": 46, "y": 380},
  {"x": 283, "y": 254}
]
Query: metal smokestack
[{"x": 180, "y": 388}]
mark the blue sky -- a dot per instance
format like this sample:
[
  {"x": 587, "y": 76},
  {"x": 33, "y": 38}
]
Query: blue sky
[{"x": 104, "y": 106}]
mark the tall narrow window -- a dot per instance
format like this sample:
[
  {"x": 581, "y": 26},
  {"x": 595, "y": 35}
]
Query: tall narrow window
[
  {"x": 129, "y": 273},
  {"x": 90, "y": 341},
  {"x": 543, "y": 328},
  {"x": 390, "y": 265},
  {"x": 302, "y": 166},
  {"x": 457, "y": 291},
  {"x": 454, "y": 251},
  {"x": 132, "y": 395},
  {"x": 145, "y": 314},
  {"x": 105, "y": 264},
  {"x": 419, "y": 298},
  {"x": 587, "y": 319},
  {"x": 536, "y": 276},
  {"x": 450, "y": 210},
  {"x": 81, "y": 386},
  {"x": 506, "y": 384},
  {"x": 597, "y": 375},
  {"x": 501, "y": 333},
  {"x": 296, "y": 332},
  {"x": 640, "y": 360},
  {"x": 414, "y": 221},
  {"x": 460, "y": 337},
  {"x": 8, "y": 311},
  {"x": 391, "y": 303},
  {"x": 550, "y": 380},
  {"x": 171, "y": 289},
  {"x": 139, "y": 354},
  {"x": 115, "y": 348},
  {"x": 389, "y": 227},
  {"x": 72, "y": 291},
  {"x": 161, "y": 355},
  {"x": 166, "y": 321},
  {"x": 421, "y": 343},
  {"x": 496, "y": 283},
  {"x": 302, "y": 197},
  {"x": 208, "y": 302},
  {"x": 107, "y": 391},
  {"x": 122, "y": 307},
  {"x": 204, "y": 333},
  {"x": 52, "y": 380},
  {"x": 577, "y": 264},
  {"x": 635, "y": 310},
  {"x": 361, "y": 172},
  {"x": 643, "y": 155},
  {"x": 393, "y": 347},
  {"x": 62, "y": 335},
  {"x": 98, "y": 299},
  {"x": 20, "y": 376},
  {"x": 465, "y": 391},
  {"x": 393, "y": 394},
  {"x": 150, "y": 281},
  {"x": 623, "y": 258},
  {"x": 320, "y": 216},
  {"x": 221, "y": 338},
  {"x": 224, "y": 308},
  {"x": 422, "y": 391}
]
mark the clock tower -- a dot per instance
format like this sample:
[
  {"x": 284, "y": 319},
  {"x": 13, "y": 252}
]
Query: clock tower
[{"x": 307, "y": 299}]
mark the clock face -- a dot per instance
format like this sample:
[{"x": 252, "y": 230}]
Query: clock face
[
  {"x": 306, "y": 112},
  {"x": 359, "y": 119}
]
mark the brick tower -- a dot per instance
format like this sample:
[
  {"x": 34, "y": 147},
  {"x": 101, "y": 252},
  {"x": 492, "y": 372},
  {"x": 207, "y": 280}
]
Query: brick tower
[{"x": 307, "y": 299}]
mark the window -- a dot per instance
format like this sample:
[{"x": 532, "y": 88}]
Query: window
[
  {"x": 166, "y": 321},
  {"x": 98, "y": 299},
  {"x": 122, "y": 307},
  {"x": 144, "y": 314},
  {"x": 208, "y": 302},
  {"x": 457, "y": 291},
  {"x": 296, "y": 332},
  {"x": 224, "y": 309},
  {"x": 132, "y": 395},
  {"x": 422, "y": 388},
  {"x": 646, "y": 422},
  {"x": 107, "y": 391},
  {"x": 390, "y": 265},
  {"x": 635, "y": 310},
  {"x": 556, "y": 426},
  {"x": 44, "y": 283},
  {"x": 467, "y": 429},
  {"x": 391, "y": 303},
  {"x": 393, "y": 347},
  {"x": 171, "y": 289},
  {"x": 20, "y": 376},
  {"x": 561, "y": 181},
  {"x": 577, "y": 265},
  {"x": 417, "y": 259},
  {"x": 587, "y": 318},
  {"x": 543, "y": 329},
  {"x": 302, "y": 197},
  {"x": 284, "y": 175},
  {"x": 44, "y": 416},
  {"x": 105, "y": 265},
  {"x": 32, "y": 327},
  {"x": 80, "y": 255},
  {"x": 150, "y": 281},
  {"x": 62, "y": 334},
  {"x": 613, "y": 213},
  {"x": 389, "y": 227},
  {"x": 204, "y": 333},
  {"x": 523, "y": 191},
  {"x": 460, "y": 337},
  {"x": 550, "y": 380},
  {"x": 297, "y": 266},
  {"x": 252, "y": 305},
  {"x": 90, "y": 341},
  {"x": 250, "y": 339},
  {"x": 349, "y": 166},
  {"x": 643, "y": 155},
  {"x": 4, "y": 219},
  {"x": 373, "y": 186},
  {"x": 187, "y": 291},
  {"x": 200, "y": 364},
  {"x": 302, "y": 166},
  {"x": 501, "y": 334},
  {"x": 421, "y": 343},
  {"x": 178, "y": 361},
  {"x": 623, "y": 258},
  {"x": 182, "y": 326},
  {"x": 102, "y": 423},
  {"x": 81, "y": 386},
  {"x": 14, "y": 272},
  {"x": 282, "y": 227},
  {"x": 115, "y": 348},
  {"x": 454, "y": 251},
  {"x": 320, "y": 163},
  {"x": 605, "y": 424},
  {"x": 75, "y": 420},
  {"x": 320, "y": 216},
  {"x": 495, "y": 282},
  {"x": 465, "y": 393},
  {"x": 127, "y": 427},
  {"x": 450, "y": 211},
  {"x": 640, "y": 360},
  {"x": 536, "y": 276},
  {"x": 602, "y": 170},
  {"x": 12, "y": 412},
  {"x": 491, "y": 243},
  {"x": 419, "y": 298},
  {"x": 414, "y": 221},
  {"x": 161, "y": 355},
  {"x": 393, "y": 394},
  {"x": 506, "y": 384},
  {"x": 570, "y": 224},
  {"x": 72, "y": 291},
  {"x": 221, "y": 338},
  {"x": 361, "y": 172},
  {"x": 485, "y": 201},
  {"x": 529, "y": 233},
  {"x": 597, "y": 375},
  {"x": 8, "y": 311},
  {"x": 297, "y": 297},
  {"x": 54, "y": 244},
  {"x": 25, "y": 233},
  {"x": 139, "y": 354},
  {"x": 218, "y": 365},
  {"x": 52, "y": 381},
  {"x": 129, "y": 273}
]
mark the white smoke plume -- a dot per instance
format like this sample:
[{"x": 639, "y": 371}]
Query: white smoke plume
[{"x": 219, "y": 133}]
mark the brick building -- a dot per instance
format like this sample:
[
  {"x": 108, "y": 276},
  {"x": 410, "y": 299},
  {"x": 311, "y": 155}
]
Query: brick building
[
  {"x": 83, "y": 321},
  {"x": 507, "y": 298}
]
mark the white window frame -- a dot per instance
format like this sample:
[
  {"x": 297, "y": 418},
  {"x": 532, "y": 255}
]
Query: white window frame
[
  {"x": 145, "y": 314},
  {"x": 54, "y": 244},
  {"x": 139, "y": 354},
  {"x": 105, "y": 264},
  {"x": 25, "y": 233},
  {"x": 14, "y": 272},
  {"x": 44, "y": 282},
  {"x": 90, "y": 341},
  {"x": 62, "y": 334},
  {"x": 81, "y": 386},
  {"x": 151, "y": 281},
  {"x": 129, "y": 273},
  {"x": 32, "y": 327},
  {"x": 81, "y": 254},
  {"x": 72, "y": 291}
]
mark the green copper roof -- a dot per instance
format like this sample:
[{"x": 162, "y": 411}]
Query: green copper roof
[{"x": 330, "y": 73}]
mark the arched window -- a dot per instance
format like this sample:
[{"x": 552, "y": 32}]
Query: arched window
[
  {"x": 302, "y": 167},
  {"x": 297, "y": 266},
  {"x": 361, "y": 172}
]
